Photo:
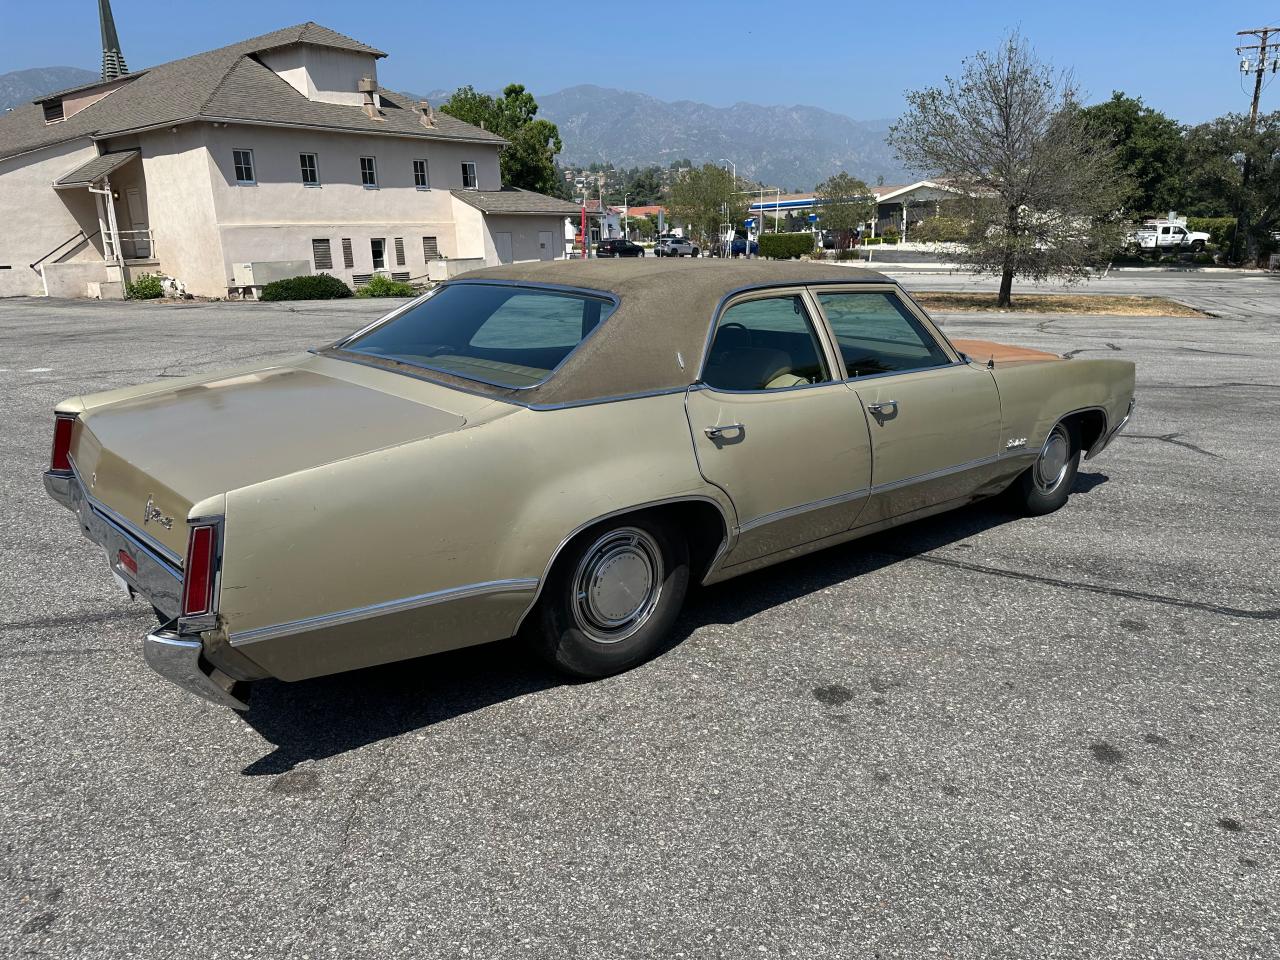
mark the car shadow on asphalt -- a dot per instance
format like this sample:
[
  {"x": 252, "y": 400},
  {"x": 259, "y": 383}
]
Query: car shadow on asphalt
[{"x": 328, "y": 716}]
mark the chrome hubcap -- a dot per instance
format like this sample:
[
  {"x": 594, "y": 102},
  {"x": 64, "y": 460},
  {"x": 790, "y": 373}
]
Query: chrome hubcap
[
  {"x": 1051, "y": 467},
  {"x": 617, "y": 585}
]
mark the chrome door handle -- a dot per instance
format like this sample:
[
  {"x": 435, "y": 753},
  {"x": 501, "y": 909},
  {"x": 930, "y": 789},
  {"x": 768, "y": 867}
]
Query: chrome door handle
[
  {"x": 715, "y": 433},
  {"x": 884, "y": 407}
]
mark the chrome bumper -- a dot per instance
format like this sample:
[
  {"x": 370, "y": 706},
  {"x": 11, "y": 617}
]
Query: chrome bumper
[
  {"x": 181, "y": 660},
  {"x": 1097, "y": 448}
]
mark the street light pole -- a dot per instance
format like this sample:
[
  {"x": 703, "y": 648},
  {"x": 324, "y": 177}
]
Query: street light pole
[
  {"x": 734, "y": 166},
  {"x": 626, "y": 209}
]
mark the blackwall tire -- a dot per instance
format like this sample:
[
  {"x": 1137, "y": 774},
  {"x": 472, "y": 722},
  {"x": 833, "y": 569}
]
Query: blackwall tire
[
  {"x": 1045, "y": 486},
  {"x": 611, "y": 598}
]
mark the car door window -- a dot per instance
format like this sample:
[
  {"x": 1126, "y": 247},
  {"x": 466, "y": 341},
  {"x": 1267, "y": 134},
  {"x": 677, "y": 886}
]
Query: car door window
[
  {"x": 876, "y": 333},
  {"x": 765, "y": 344}
]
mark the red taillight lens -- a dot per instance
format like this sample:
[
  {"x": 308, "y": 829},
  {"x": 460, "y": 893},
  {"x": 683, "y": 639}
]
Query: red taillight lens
[
  {"x": 61, "y": 458},
  {"x": 197, "y": 583}
]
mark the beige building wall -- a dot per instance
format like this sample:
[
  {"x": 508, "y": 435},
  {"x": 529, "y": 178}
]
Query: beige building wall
[
  {"x": 324, "y": 74},
  {"x": 35, "y": 218},
  {"x": 180, "y": 206},
  {"x": 531, "y": 238}
]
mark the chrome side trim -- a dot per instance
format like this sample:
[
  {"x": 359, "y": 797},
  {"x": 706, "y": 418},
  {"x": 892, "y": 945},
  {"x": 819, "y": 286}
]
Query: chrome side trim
[
  {"x": 154, "y": 547},
  {"x": 356, "y": 614},
  {"x": 934, "y": 474},
  {"x": 729, "y": 530},
  {"x": 804, "y": 508}
]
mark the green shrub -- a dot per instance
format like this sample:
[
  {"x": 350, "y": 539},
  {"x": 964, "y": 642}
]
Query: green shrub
[
  {"x": 316, "y": 286},
  {"x": 872, "y": 241},
  {"x": 785, "y": 246},
  {"x": 849, "y": 254},
  {"x": 383, "y": 286},
  {"x": 1221, "y": 230},
  {"x": 890, "y": 235},
  {"x": 941, "y": 230},
  {"x": 148, "y": 286}
]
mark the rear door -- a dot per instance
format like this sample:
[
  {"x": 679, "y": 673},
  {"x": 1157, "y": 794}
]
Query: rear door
[
  {"x": 934, "y": 419},
  {"x": 775, "y": 428}
]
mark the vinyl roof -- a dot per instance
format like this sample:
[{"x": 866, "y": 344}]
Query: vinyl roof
[
  {"x": 665, "y": 309},
  {"x": 226, "y": 84}
]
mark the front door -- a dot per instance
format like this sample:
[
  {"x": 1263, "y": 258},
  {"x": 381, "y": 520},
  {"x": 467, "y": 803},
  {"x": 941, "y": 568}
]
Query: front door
[
  {"x": 502, "y": 244},
  {"x": 545, "y": 249},
  {"x": 141, "y": 238},
  {"x": 934, "y": 420},
  {"x": 775, "y": 429}
]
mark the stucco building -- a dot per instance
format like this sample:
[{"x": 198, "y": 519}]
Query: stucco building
[{"x": 271, "y": 157}]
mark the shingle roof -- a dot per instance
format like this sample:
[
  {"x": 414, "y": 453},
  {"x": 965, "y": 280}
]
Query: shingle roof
[
  {"x": 513, "y": 200},
  {"x": 102, "y": 166},
  {"x": 226, "y": 84}
]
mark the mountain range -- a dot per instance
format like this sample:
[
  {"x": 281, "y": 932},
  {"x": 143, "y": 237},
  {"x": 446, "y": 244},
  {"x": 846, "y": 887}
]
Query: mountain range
[
  {"x": 23, "y": 86},
  {"x": 787, "y": 146}
]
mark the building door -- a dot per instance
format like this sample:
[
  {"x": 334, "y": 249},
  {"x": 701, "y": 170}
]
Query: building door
[
  {"x": 139, "y": 239},
  {"x": 545, "y": 249},
  {"x": 502, "y": 243}
]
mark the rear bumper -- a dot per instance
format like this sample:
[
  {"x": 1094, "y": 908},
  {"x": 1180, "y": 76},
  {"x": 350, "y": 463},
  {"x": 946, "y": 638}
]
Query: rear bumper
[
  {"x": 181, "y": 660},
  {"x": 1113, "y": 433}
]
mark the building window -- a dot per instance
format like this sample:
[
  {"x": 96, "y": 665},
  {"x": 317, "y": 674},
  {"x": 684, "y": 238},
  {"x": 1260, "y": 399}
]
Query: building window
[
  {"x": 430, "y": 249},
  {"x": 469, "y": 181},
  {"x": 310, "y": 169},
  {"x": 369, "y": 173},
  {"x": 53, "y": 111},
  {"x": 378, "y": 247},
  {"x": 321, "y": 254},
  {"x": 348, "y": 260},
  {"x": 243, "y": 160},
  {"x": 399, "y": 245},
  {"x": 420, "y": 175}
]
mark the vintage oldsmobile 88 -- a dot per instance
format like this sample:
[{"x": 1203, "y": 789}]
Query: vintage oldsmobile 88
[{"x": 552, "y": 451}]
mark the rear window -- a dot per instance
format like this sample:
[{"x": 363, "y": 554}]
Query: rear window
[{"x": 504, "y": 335}]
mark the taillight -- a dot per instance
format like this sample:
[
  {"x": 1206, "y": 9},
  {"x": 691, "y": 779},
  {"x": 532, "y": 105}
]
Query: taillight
[
  {"x": 197, "y": 582},
  {"x": 60, "y": 460}
]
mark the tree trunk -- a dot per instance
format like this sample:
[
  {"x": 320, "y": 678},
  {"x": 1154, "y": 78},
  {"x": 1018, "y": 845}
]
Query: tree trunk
[{"x": 1006, "y": 287}]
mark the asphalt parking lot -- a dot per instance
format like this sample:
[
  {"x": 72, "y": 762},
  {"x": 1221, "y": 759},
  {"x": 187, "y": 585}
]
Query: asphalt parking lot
[{"x": 978, "y": 736}]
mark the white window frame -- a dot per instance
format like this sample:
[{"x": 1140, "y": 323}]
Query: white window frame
[
  {"x": 426, "y": 174},
  {"x": 475, "y": 176},
  {"x": 315, "y": 162},
  {"x": 373, "y": 168},
  {"x": 253, "y": 166}
]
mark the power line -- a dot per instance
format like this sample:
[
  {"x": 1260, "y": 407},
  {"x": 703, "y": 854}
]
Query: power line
[{"x": 1259, "y": 69}]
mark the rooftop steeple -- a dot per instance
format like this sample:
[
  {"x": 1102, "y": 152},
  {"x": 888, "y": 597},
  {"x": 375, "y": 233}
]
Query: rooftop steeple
[{"x": 113, "y": 64}]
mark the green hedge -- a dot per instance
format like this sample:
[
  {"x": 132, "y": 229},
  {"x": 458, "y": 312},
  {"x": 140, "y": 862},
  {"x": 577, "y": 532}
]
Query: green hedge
[
  {"x": 785, "y": 246},
  {"x": 317, "y": 286},
  {"x": 1221, "y": 230},
  {"x": 147, "y": 286},
  {"x": 941, "y": 230},
  {"x": 383, "y": 286},
  {"x": 890, "y": 235}
]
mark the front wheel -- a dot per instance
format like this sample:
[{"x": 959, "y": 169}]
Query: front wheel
[
  {"x": 611, "y": 598},
  {"x": 1197, "y": 246},
  {"x": 694, "y": 253},
  {"x": 1046, "y": 484}
]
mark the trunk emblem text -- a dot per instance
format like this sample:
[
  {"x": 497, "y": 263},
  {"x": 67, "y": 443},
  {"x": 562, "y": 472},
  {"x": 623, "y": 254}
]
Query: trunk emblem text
[{"x": 151, "y": 512}]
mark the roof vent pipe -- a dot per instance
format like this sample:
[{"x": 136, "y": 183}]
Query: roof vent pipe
[
  {"x": 369, "y": 87},
  {"x": 428, "y": 115}
]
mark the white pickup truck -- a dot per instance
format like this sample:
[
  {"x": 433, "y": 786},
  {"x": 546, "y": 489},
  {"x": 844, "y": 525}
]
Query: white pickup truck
[{"x": 1168, "y": 235}]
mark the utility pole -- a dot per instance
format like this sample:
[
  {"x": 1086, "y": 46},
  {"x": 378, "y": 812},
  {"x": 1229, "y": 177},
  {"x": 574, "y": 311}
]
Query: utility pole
[{"x": 1266, "y": 56}]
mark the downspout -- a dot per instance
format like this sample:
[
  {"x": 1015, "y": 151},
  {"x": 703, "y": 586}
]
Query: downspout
[{"x": 112, "y": 227}]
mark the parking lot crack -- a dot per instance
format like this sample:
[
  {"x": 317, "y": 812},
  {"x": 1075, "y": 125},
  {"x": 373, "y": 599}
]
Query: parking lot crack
[
  {"x": 1173, "y": 438},
  {"x": 1214, "y": 608}
]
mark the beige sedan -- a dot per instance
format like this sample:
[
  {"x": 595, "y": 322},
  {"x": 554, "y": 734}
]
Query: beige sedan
[{"x": 556, "y": 451}]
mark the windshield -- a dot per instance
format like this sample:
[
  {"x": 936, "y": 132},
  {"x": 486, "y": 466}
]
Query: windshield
[{"x": 504, "y": 335}]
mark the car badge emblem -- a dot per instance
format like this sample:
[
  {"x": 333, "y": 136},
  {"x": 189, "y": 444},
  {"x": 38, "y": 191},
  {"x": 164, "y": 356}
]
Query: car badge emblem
[
  {"x": 1015, "y": 443},
  {"x": 152, "y": 512}
]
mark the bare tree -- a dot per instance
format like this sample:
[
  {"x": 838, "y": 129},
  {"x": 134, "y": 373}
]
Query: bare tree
[{"x": 1044, "y": 191}]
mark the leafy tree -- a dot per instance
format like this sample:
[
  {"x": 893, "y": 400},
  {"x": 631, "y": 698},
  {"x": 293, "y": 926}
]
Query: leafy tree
[
  {"x": 1216, "y": 156},
  {"x": 528, "y": 160},
  {"x": 1043, "y": 184},
  {"x": 704, "y": 198},
  {"x": 845, "y": 203},
  {"x": 644, "y": 186},
  {"x": 1149, "y": 149}
]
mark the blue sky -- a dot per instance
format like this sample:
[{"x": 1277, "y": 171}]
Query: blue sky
[{"x": 1177, "y": 54}]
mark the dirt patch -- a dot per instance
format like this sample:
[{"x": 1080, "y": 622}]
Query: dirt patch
[{"x": 1095, "y": 304}]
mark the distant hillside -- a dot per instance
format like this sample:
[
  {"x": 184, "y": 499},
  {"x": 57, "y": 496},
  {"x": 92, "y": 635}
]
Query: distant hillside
[
  {"x": 23, "y": 86},
  {"x": 787, "y": 146}
]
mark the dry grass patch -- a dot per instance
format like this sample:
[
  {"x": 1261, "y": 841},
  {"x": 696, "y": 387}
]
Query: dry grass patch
[{"x": 1081, "y": 303}]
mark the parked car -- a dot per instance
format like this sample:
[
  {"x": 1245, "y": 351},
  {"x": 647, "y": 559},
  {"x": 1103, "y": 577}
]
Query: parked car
[
  {"x": 674, "y": 247},
  {"x": 618, "y": 248},
  {"x": 510, "y": 454},
  {"x": 1168, "y": 235},
  {"x": 739, "y": 247}
]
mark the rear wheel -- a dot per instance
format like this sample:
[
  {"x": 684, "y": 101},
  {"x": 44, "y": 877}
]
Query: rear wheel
[
  {"x": 1046, "y": 484},
  {"x": 611, "y": 598}
]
